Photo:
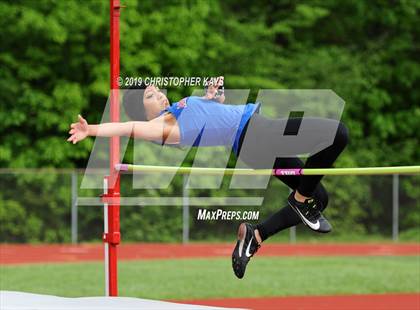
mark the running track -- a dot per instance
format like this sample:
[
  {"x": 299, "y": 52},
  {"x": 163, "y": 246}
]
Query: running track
[
  {"x": 349, "y": 302},
  {"x": 24, "y": 254}
]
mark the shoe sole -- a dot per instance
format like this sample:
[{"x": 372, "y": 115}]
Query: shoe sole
[
  {"x": 241, "y": 232},
  {"x": 235, "y": 263},
  {"x": 241, "y": 236}
]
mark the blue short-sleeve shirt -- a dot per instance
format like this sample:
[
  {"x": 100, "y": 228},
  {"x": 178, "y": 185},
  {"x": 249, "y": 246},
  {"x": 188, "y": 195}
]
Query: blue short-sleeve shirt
[{"x": 204, "y": 122}]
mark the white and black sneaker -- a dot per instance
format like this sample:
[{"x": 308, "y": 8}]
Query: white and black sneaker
[
  {"x": 245, "y": 248},
  {"x": 309, "y": 212}
]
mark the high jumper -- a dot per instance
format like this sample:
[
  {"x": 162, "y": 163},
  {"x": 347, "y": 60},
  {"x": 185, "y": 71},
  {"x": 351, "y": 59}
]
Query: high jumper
[{"x": 182, "y": 123}]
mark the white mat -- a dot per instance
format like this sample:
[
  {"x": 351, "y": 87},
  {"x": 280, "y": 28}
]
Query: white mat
[{"x": 10, "y": 300}]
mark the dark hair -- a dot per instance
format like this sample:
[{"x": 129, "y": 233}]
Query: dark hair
[{"x": 133, "y": 103}]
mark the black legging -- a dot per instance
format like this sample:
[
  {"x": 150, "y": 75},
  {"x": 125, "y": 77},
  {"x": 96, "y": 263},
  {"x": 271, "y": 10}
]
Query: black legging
[{"x": 264, "y": 131}]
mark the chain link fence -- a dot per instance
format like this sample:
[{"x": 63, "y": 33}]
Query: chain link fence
[{"x": 43, "y": 205}]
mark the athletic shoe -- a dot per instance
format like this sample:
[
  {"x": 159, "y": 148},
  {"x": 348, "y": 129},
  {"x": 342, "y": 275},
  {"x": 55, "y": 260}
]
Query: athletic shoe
[
  {"x": 309, "y": 212},
  {"x": 245, "y": 248}
]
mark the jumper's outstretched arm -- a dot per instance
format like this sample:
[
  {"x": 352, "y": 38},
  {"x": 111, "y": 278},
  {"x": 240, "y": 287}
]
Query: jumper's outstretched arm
[{"x": 154, "y": 130}]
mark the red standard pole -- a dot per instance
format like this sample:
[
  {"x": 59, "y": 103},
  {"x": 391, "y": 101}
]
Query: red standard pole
[{"x": 113, "y": 235}]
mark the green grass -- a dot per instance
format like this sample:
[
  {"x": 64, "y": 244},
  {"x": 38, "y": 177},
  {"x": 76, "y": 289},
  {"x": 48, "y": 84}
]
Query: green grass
[{"x": 213, "y": 278}]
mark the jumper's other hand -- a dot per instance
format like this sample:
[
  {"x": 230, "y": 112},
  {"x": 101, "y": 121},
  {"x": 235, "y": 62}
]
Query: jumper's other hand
[{"x": 79, "y": 130}]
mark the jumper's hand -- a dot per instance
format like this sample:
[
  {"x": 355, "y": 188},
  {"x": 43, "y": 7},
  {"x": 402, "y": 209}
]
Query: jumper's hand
[
  {"x": 78, "y": 131},
  {"x": 221, "y": 98},
  {"x": 213, "y": 87},
  {"x": 220, "y": 81}
]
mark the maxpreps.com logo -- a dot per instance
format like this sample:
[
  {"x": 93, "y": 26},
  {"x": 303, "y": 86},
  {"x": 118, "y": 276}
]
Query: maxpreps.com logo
[{"x": 220, "y": 214}]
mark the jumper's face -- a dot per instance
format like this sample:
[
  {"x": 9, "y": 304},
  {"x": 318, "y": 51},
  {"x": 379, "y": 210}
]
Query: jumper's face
[{"x": 154, "y": 101}]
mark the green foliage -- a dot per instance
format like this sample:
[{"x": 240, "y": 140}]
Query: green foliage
[
  {"x": 35, "y": 207},
  {"x": 55, "y": 64}
]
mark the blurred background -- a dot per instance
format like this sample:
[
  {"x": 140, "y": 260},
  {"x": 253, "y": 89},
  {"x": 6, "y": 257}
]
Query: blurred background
[{"x": 54, "y": 60}]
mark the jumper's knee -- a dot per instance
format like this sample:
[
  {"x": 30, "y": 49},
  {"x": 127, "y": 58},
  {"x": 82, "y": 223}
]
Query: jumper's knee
[{"x": 321, "y": 194}]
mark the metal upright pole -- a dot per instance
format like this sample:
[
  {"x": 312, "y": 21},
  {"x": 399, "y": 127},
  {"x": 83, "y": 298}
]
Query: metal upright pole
[
  {"x": 105, "y": 238},
  {"x": 185, "y": 211},
  {"x": 292, "y": 231},
  {"x": 395, "y": 206},
  {"x": 111, "y": 235},
  {"x": 292, "y": 234},
  {"x": 74, "y": 207}
]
